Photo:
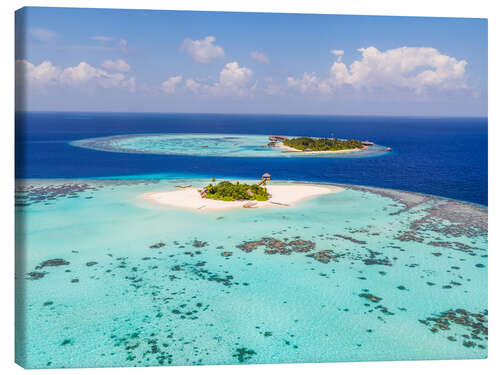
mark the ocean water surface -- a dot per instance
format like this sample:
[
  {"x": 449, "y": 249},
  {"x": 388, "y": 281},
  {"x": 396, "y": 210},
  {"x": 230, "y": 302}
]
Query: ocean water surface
[
  {"x": 112, "y": 280},
  {"x": 445, "y": 157},
  {"x": 106, "y": 278}
]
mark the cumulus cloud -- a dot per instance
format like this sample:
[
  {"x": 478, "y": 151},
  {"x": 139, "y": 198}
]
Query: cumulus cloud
[
  {"x": 260, "y": 57},
  {"x": 82, "y": 75},
  {"x": 170, "y": 84},
  {"x": 193, "y": 86},
  {"x": 405, "y": 67},
  {"x": 42, "y": 34},
  {"x": 37, "y": 75},
  {"x": 234, "y": 75},
  {"x": 234, "y": 80},
  {"x": 118, "y": 64},
  {"x": 85, "y": 73},
  {"x": 203, "y": 50},
  {"x": 416, "y": 69}
]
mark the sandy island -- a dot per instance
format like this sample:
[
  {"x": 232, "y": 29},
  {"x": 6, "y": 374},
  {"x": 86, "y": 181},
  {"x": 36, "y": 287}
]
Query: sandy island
[
  {"x": 289, "y": 149},
  {"x": 281, "y": 195}
]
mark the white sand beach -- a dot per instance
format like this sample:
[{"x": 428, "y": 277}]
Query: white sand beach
[
  {"x": 281, "y": 196},
  {"x": 289, "y": 149}
]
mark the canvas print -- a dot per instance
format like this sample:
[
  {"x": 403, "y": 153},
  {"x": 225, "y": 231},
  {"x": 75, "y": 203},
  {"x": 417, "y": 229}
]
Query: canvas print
[{"x": 198, "y": 188}]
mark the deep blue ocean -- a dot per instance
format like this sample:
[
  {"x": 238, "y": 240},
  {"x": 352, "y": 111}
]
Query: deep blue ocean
[{"x": 441, "y": 156}]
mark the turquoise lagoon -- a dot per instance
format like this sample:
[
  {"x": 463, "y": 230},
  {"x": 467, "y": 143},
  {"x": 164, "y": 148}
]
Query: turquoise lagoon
[
  {"x": 105, "y": 278},
  {"x": 199, "y": 144}
]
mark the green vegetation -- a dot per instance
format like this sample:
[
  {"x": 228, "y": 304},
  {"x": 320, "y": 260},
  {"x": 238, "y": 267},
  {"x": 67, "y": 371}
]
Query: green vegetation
[
  {"x": 227, "y": 191},
  {"x": 322, "y": 144}
]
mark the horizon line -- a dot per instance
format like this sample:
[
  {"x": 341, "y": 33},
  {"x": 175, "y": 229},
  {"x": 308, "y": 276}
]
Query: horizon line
[{"x": 252, "y": 114}]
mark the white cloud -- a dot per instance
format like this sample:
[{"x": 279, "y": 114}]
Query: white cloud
[
  {"x": 338, "y": 52},
  {"x": 193, "y": 86},
  {"x": 260, "y": 57},
  {"x": 234, "y": 75},
  {"x": 203, "y": 50},
  {"x": 81, "y": 75},
  {"x": 102, "y": 38},
  {"x": 309, "y": 83},
  {"x": 85, "y": 73},
  {"x": 406, "y": 68},
  {"x": 234, "y": 80},
  {"x": 118, "y": 64},
  {"x": 44, "y": 35},
  {"x": 36, "y": 75},
  {"x": 170, "y": 84}
]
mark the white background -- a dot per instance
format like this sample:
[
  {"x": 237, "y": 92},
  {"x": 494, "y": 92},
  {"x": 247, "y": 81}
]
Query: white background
[{"x": 443, "y": 8}]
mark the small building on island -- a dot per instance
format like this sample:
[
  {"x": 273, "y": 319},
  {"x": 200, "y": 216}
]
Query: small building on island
[
  {"x": 277, "y": 138},
  {"x": 203, "y": 193},
  {"x": 265, "y": 177}
]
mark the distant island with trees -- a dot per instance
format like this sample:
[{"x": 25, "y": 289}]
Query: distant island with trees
[{"x": 322, "y": 144}]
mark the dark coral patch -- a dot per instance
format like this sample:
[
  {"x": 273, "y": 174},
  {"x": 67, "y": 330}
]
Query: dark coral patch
[
  {"x": 476, "y": 324},
  {"x": 244, "y": 354},
  {"x": 324, "y": 256},
  {"x": 36, "y": 275},
  {"x": 197, "y": 243},
  {"x": 370, "y": 297},
  {"x": 52, "y": 263},
  {"x": 348, "y": 238},
  {"x": 275, "y": 246},
  {"x": 157, "y": 245}
]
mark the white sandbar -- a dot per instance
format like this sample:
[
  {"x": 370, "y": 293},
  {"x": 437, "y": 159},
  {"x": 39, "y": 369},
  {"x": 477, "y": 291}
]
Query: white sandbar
[
  {"x": 292, "y": 150},
  {"x": 281, "y": 196}
]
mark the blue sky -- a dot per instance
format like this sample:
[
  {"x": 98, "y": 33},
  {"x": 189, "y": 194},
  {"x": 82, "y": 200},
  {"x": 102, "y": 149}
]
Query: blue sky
[{"x": 170, "y": 61}]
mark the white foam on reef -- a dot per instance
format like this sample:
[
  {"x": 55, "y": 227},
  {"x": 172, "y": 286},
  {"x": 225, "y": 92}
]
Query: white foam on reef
[{"x": 281, "y": 196}]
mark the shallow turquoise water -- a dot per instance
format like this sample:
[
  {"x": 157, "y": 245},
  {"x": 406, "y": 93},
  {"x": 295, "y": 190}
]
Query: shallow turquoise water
[
  {"x": 398, "y": 262},
  {"x": 233, "y": 145}
]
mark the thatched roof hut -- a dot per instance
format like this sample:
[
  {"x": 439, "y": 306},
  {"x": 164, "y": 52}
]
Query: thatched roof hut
[{"x": 277, "y": 138}]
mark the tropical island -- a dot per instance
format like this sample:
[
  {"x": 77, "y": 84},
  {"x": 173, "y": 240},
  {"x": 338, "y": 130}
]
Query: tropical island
[
  {"x": 318, "y": 146},
  {"x": 230, "y": 145},
  {"x": 228, "y": 195},
  {"x": 322, "y": 144},
  {"x": 227, "y": 191}
]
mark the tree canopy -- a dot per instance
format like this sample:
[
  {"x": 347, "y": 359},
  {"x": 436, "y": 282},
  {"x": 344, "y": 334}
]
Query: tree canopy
[
  {"x": 322, "y": 144},
  {"x": 227, "y": 191}
]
